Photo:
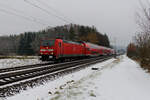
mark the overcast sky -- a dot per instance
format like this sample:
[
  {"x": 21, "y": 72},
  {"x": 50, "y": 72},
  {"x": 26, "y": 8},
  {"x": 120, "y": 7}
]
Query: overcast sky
[{"x": 116, "y": 18}]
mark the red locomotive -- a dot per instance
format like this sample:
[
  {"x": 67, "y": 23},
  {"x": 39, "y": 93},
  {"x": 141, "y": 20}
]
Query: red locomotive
[{"x": 58, "y": 49}]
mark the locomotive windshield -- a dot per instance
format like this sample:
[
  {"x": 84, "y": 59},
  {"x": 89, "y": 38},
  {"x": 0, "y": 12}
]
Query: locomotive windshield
[{"x": 48, "y": 43}]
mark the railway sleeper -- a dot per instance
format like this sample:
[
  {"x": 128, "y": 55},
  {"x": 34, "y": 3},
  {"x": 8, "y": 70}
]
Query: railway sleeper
[{"x": 38, "y": 73}]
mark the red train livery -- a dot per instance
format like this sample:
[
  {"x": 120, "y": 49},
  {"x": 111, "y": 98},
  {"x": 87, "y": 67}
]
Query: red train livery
[{"x": 58, "y": 49}]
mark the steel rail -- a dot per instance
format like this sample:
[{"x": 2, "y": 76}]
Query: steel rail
[
  {"x": 23, "y": 67},
  {"x": 11, "y": 77},
  {"x": 29, "y": 66},
  {"x": 44, "y": 76}
]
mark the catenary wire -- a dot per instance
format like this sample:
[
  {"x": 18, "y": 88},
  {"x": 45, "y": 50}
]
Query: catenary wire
[
  {"x": 55, "y": 10},
  {"x": 21, "y": 16},
  {"x": 46, "y": 11},
  {"x": 18, "y": 12}
]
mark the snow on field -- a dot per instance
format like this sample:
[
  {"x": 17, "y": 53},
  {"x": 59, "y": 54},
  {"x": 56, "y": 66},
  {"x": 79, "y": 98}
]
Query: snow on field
[
  {"x": 116, "y": 79},
  {"x": 8, "y": 63}
]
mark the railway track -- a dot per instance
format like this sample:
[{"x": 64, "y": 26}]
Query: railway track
[
  {"x": 23, "y": 67},
  {"x": 12, "y": 77}
]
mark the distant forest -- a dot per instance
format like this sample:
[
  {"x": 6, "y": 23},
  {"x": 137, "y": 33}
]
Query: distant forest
[{"x": 28, "y": 43}]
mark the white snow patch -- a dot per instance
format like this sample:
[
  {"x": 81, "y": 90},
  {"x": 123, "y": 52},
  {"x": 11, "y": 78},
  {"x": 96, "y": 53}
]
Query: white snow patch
[
  {"x": 116, "y": 79},
  {"x": 8, "y": 63},
  {"x": 42, "y": 92},
  {"x": 126, "y": 81}
]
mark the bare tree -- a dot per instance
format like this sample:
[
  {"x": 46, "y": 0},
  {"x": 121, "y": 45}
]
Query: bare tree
[{"x": 142, "y": 39}]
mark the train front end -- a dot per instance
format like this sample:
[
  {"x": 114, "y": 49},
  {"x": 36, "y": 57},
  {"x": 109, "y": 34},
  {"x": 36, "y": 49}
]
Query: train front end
[{"x": 47, "y": 49}]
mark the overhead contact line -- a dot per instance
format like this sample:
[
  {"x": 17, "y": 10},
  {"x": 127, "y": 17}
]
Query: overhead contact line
[
  {"x": 21, "y": 16},
  {"x": 55, "y": 10},
  {"x": 46, "y": 11}
]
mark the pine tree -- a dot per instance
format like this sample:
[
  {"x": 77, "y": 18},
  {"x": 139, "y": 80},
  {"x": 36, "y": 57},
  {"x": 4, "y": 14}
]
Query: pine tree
[
  {"x": 25, "y": 47},
  {"x": 72, "y": 33}
]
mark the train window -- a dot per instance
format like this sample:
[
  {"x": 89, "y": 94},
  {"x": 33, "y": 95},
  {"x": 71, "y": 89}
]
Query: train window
[
  {"x": 87, "y": 48},
  {"x": 103, "y": 51},
  {"x": 59, "y": 44},
  {"x": 65, "y": 41},
  {"x": 71, "y": 42},
  {"x": 48, "y": 42}
]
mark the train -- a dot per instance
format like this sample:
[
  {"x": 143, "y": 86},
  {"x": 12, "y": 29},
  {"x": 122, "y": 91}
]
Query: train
[{"x": 60, "y": 50}]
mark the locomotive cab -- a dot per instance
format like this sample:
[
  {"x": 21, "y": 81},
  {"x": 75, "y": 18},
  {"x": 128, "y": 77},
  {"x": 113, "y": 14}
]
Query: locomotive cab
[
  {"x": 47, "y": 49},
  {"x": 50, "y": 49}
]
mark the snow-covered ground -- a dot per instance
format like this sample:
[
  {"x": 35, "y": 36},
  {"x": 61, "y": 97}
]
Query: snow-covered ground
[
  {"x": 8, "y": 63},
  {"x": 116, "y": 79}
]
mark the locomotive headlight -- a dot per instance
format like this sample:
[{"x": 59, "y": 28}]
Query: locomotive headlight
[{"x": 50, "y": 50}]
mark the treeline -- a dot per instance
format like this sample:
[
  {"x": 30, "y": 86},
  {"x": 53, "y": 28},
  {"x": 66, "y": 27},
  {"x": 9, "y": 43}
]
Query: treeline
[
  {"x": 140, "y": 49},
  {"x": 28, "y": 43}
]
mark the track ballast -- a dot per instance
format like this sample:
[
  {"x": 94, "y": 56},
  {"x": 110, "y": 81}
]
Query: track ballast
[{"x": 12, "y": 81}]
